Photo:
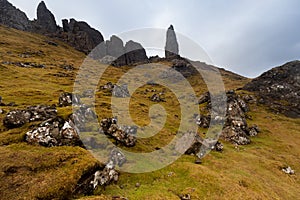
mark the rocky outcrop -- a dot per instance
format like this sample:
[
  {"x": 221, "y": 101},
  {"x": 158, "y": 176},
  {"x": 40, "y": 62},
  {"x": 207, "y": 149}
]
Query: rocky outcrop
[
  {"x": 129, "y": 54},
  {"x": 135, "y": 53},
  {"x": 18, "y": 118},
  {"x": 45, "y": 22},
  {"x": 80, "y": 35},
  {"x": 109, "y": 127},
  {"x": 279, "y": 89},
  {"x": 54, "y": 132},
  {"x": 116, "y": 90},
  {"x": 67, "y": 99},
  {"x": 171, "y": 48},
  {"x": 12, "y": 17},
  {"x": 236, "y": 129}
]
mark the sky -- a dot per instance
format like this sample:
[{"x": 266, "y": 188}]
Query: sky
[{"x": 247, "y": 37}]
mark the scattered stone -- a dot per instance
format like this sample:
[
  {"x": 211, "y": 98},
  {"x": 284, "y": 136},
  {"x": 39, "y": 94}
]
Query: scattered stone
[
  {"x": 67, "y": 99},
  {"x": 2, "y": 111},
  {"x": 137, "y": 185},
  {"x": 218, "y": 146},
  {"x": 185, "y": 196},
  {"x": 198, "y": 161},
  {"x": 117, "y": 157},
  {"x": 288, "y": 170},
  {"x": 106, "y": 176},
  {"x": 109, "y": 127},
  {"x": 81, "y": 115},
  {"x": 51, "y": 43},
  {"x": 202, "y": 120},
  {"x": 157, "y": 98},
  {"x": 120, "y": 91}
]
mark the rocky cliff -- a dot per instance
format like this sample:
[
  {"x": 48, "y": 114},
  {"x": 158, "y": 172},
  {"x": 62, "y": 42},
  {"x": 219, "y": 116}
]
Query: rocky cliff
[
  {"x": 13, "y": 17},
  {"x": 78, "y": 34},
  {"x": 279, "y": 88}
]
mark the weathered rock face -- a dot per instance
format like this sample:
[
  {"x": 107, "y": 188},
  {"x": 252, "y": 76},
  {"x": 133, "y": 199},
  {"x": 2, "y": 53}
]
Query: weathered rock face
[
  {"x": 171, "y": 48},
  {"x": 45, "y": 22},
  {"x": 135, "y": 53},
  {"x": 12, "y": 17},
  {"x": 279, "y": 89},
  {"x": 80, "y": 35}
]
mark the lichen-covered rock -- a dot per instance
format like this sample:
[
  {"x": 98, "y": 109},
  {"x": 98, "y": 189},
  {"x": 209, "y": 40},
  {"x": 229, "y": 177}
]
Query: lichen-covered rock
[
  {"x": 67, "y": 99},
  {"x": 18, "y": 118},
  {"x": 236, "y": 129},
  {"x": 109, "y": 127},
  {"x": 54, "y": 132}
]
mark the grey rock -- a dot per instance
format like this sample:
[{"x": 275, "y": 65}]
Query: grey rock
[
  {"x": 12, "y": 17},
  {"x": 120, "y": 91},
  {"x": 171, "y": 48},
  {"x": 45, "y": 19},
  {"x": 109, "y": 127},
  {"x": 135, "y": 53},
  {"x": 67, "y": 99},
  {"x": 18, "y": 118}
]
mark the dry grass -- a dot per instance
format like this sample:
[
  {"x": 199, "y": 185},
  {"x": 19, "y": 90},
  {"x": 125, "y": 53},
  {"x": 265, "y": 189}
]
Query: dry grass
[{"x": 30, "y": 172}]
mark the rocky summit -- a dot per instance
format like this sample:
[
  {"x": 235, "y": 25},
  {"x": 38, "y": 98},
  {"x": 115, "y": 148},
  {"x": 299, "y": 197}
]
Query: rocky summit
[{"x": 279, "y": 89}]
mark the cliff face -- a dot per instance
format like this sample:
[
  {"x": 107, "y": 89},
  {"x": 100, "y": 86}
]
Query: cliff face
[
  {"x": 78, "y": 34},
  {"x": 13, "y": 17}
]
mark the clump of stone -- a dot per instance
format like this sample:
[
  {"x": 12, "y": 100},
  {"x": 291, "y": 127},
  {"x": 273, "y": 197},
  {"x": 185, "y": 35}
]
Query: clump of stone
[
  {"x": 159, "y": 97},
  {"x": 236, "y": 129},
  {"x": 119, "y": 91},
  {"x": 67, "y": 99},
  {"x": 18, "y": 118},
  {"x": 109, "y": 174},
  {"x": 54, "y": 132},
  {"x": 288, "y": 170},
  {"x": 109, "y": 127}
]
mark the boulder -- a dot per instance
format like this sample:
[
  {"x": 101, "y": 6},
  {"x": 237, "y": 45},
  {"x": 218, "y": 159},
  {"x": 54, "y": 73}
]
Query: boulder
[{"x": 171, "y": 48}]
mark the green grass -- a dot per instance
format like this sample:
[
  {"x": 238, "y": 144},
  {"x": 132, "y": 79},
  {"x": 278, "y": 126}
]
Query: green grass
[{"x": 31, "y": 172}]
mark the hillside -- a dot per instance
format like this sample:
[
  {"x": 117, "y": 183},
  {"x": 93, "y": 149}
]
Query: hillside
[{"x": 36, "y": 70}]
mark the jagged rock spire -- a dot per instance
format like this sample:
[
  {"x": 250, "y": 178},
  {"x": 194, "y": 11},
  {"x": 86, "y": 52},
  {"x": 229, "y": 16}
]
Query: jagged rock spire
[
  {"x": 171, "y": 48},
  {"x": 45, "y": 18}
]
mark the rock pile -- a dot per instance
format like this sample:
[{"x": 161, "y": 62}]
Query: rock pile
[
  {"x": 109, "y": 127},
  {"x": 236, "y": 129},
  {"x": 279, "y": 89},
  {"x": 18, "y": 118},
  {"x": 54, "y": 132}
]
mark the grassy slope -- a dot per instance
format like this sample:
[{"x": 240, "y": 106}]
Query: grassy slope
[{"x": 253, "y": 172}]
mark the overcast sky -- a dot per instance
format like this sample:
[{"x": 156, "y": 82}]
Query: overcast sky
[{"x": 245, "y": 36}]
